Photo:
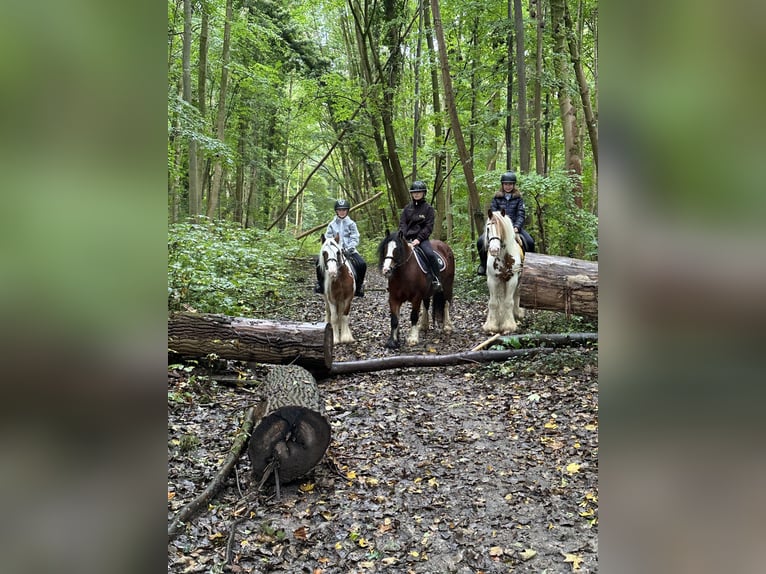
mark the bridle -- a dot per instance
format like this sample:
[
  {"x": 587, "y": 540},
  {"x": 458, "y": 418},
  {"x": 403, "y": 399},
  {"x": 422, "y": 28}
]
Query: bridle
[
  {"x": 339, "y": 260},
  {"x": 394, "y": 264},
  {"x": 493, "y": 224}
]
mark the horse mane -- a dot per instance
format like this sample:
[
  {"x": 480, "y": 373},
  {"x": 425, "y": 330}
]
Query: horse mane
[{"x": 505, "y": 225}]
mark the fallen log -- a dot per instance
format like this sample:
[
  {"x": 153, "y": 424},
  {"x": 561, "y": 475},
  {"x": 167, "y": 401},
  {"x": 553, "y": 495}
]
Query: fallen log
[
  {"x": 293, "y": 435},
  {"x": 308, "y": 345},
  {"x": 560, "y": 284},
  {"x": 405, "y": 361}
]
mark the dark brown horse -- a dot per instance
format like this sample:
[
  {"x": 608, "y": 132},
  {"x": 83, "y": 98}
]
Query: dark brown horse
[{"x": 407, "y": 281}]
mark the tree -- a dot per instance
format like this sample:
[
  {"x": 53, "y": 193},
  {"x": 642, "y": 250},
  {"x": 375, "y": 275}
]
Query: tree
[
  {"x": 521, "y": 73},
  {"x": 220, "y": 121},
  {"x": 567, "y": 110},
  {"x": 195, "y": 201},
  {"x": 449, "y": 96},
  {"x": 259, "y": 94}
]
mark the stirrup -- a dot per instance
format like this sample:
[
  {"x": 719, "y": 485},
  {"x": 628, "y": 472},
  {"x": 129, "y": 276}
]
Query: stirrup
[{"x": 437, "y": 285}]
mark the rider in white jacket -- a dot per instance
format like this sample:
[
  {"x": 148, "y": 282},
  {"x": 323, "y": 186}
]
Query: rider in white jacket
[{"x": 344, "y": 227}]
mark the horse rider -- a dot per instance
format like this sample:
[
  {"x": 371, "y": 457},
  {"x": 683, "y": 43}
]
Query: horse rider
[
  {"x": 344, "y": 227},
  {"x": 508, "y": 197},
  {"x": 417, "y": 223}
]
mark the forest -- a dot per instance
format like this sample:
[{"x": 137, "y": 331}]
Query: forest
[
  {"x": 276, "y": 109},
  {"x": 421, "y": 460}
]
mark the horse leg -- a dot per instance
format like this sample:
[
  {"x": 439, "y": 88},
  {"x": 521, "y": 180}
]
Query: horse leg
[
  {"x": 327, "y": 313},
  {"x": 518, "y": 312},
  {"x": 493, "y": 307},
  {"x": 333, "y": 320},
  {"x": 393, "y": 338},
  {"x": 508, "y": 322},
  {"x": 418, "y": 320},
  {"x": 345, "y": 330},
  {"x": 447, "y": 319}
]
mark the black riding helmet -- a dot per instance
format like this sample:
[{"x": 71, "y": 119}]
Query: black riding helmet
[
  {"x": 508, "y": 177},
  {"x": 342, "y": 204},
  {"x": 417, "y": 186}
]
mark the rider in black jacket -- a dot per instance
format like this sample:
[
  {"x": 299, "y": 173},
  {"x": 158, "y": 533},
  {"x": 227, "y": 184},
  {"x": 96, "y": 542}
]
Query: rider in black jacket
[
  {"x": 417, "y": 223},
  {"x": 508, "y": 197}
]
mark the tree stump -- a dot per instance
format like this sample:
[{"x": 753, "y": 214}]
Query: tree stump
[{"x": 293, "y": 433}]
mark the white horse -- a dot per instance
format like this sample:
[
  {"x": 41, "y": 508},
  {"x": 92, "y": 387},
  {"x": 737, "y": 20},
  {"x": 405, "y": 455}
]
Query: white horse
[
  {"x": 505, "y": 259},
  {"x": 339, "y": 285}
]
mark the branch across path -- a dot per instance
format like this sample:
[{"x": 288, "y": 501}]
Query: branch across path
[{"x": 404, "y": 361}]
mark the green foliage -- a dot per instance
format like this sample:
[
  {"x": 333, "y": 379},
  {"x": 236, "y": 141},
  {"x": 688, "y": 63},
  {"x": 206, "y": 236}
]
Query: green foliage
[
  {"x": 540, "y": 321},
  {"x": 562, "y": 361},
  {"x": 219, "y": 267},
  {"x": 570, "y": 231}
]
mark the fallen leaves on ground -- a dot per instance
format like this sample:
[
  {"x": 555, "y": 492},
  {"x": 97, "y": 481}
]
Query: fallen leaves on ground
[{"x": 464, "y": 469}]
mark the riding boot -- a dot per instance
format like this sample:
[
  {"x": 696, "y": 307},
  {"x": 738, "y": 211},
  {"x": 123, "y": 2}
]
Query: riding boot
[
  {"x": 319, "y": 287},
  {"x": 436, "y": 283},
  {"x": 360, "y": 266},
  {"x": 482, "y": 270}
]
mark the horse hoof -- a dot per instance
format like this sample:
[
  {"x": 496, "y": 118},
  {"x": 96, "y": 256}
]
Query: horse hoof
[{"x": 392, "y": 344}]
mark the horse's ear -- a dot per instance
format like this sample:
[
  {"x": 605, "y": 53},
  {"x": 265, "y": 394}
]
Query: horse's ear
[
  {"x": 337, "y": 238},
  {"x": 502, "y": 211},
  {"x": 489, "y": 213}
]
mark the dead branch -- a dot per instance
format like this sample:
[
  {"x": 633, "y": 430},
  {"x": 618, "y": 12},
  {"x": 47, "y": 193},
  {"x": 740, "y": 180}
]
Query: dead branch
[
  {"x": 404, "y": 361},
  {"x": 323, "y": 226},
  {"x": 237, "y": 448}
]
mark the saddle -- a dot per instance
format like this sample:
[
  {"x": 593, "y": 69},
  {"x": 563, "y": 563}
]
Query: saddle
[{"x": 422, "y": 259}]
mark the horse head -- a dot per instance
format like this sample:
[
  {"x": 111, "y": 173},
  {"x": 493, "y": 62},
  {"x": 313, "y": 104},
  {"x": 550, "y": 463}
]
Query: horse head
[
  {"x": 390, "y": 252},
  {"x": 331, "y": 256},
  {"x": 498, "y": 232}
]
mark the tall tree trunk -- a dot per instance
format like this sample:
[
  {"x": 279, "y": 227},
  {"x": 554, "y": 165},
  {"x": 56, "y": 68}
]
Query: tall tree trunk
[
  {"x": 582, "y": 82},
  {"x": 380, "y": 108},
  {"x": 465, "y": 159},
  {"x": 416, "y": 114},
  {"x": 220, "y": 122},
  {"x": 239, "y": 190},
  {"x": 509, "y": 96},
  {"x": 521, "y": 79},
  {"x": 202, "y": 79},
  {"x": 440, "y": 190},
  {"x": 538, "y": 111},
  {"x": 567, "y": 110},
  {"x": 194, "y": 191},
  {"x": 473, "y": 58}
]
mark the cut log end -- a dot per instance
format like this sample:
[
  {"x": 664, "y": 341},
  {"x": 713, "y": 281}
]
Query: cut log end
[{"x": 295, "y": 438}]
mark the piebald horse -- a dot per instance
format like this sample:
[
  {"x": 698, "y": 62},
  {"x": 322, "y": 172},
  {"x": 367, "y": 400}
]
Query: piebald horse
[
  {"x": 339, "y": 285},
  {"x": 505, "y": 259}
]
